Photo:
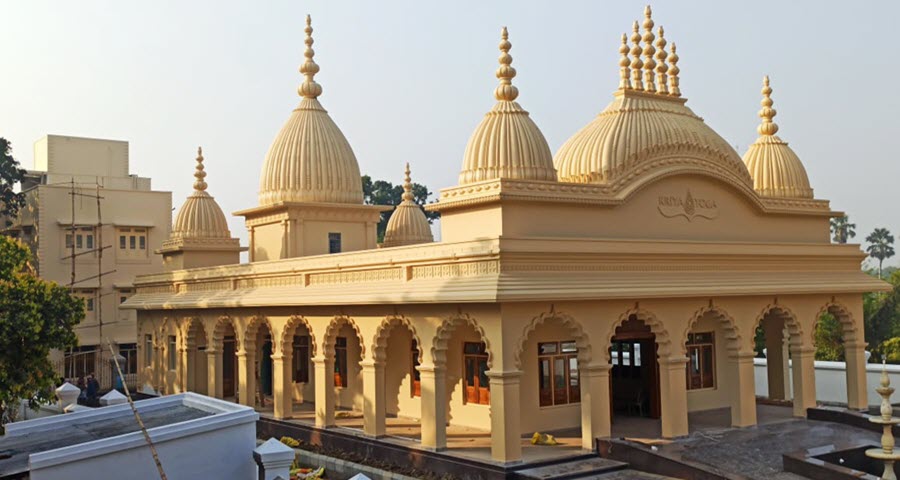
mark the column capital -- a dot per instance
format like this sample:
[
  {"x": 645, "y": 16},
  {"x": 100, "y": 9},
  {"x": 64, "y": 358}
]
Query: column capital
[
  {"x": 431, "y": 368},
  {"x": 321, "y": 360},
  {"x": 212, "y": 351},
  {"x": 370, "y": 363},
  {"x": 277, "y": 357},
  {"x": 241, "y": 353},
  {"x": 596, "y": 368},
  {"x": 675, "y": 360},
  {"x": 741, "y": 356},
  {"x": 855, "y": 346},
  {"x": 503, "y": 377},
  {"x": 802, "y": 350}
]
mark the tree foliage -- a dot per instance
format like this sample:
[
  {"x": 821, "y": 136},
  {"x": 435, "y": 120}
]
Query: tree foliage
[
  {"x": 829, "y": 339},
  {"x": 35, "y": 317},
  {"x": 380, "y": 192},
  {"x": 881, "y": 246},
  {"x": 842, "y": 230},
  {"x": 10, "y": 175}
]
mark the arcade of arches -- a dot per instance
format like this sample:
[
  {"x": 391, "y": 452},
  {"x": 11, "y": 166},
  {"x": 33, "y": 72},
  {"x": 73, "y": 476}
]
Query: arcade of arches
[{"x": 520, "y": 368}]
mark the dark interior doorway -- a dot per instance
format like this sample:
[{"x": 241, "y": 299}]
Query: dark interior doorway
[
  {"x": 229, "y": 367},
  {"x": 265, "y": 367},
  {"x": 634, "y": 379}
]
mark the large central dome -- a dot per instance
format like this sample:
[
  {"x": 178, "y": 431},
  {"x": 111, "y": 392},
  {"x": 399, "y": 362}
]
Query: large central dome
[
  {"x": 310, "y": 159},
  {"x": 646, "y": 125}
]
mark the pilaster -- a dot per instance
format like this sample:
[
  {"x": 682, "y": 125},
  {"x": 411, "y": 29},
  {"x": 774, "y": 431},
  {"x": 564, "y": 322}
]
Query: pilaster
[
  {"x": 281, "y": 386},
  {"x": 434, "y": 406},
  {"x": 857, "y": 391},
  {"x": 595, "y": 408},
  {"x": 324, "y": 368},
  {"x": 506, "y": 434},
  {"x": 803, "y": 371},
  {"x": 373, "y": 398},
  {"x": 673, "y": 392},
  {"x": 214, "y": 373},
  {"x": 743, "y": 389}
]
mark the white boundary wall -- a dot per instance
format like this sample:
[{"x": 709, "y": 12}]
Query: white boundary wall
[{"x": 831, "y": 380}]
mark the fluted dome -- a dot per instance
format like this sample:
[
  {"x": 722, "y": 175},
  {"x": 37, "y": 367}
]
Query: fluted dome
[
  {"x": 646, "y": 124},
  {"x": 507, "y": 143},
  {"x": 776, "y": 170},
  {"x": 407, "y": 225},
  {"x": 310, "y": 159},
  {"x": 200, "y": 218}
]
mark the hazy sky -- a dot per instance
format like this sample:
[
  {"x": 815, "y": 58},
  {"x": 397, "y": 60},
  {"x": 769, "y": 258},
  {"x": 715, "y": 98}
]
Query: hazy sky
[{"x": 410, "y": 80}]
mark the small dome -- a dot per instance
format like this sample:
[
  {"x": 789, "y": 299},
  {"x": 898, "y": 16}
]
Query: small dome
[
  {"x": 407, "y": 225},
  {"x": 310, "y": 159},
  {"x": 200, "y": 216},
  {"x": 507, "y": 143},
  {"x": 647, "y": 121},
  {"x": 776, "y": 170}
]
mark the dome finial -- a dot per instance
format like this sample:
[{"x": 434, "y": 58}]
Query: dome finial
[
  {"x": 767, "y": 113},
  {"x": 309, "y": 88},
  {"x": 199, "y": 174},
  {"x": 661, "y": 67},
  {"x": 673, "y": 73},
  {"x": 506, "y": 91},
  {"x": 636, "y": 63},
  {"x": 649, "y": 51},
  {"x": 624, "y": 63},
  {"x": 407, "y": 186}
]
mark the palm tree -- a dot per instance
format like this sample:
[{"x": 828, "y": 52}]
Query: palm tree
[
  {"x": 842, "y": 230},
  {"x": 881, "y": 246}
]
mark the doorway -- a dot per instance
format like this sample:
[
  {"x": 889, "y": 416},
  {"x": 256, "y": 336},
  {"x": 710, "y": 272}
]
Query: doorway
[
  {"x": 229, "y": 367},
  {"x": 634, "y": 379}
]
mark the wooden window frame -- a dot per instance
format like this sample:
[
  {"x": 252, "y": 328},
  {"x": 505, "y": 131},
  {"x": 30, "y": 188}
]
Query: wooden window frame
[
  {"x": 699, "y": 347},
  {"x": 572, "y": 392},
  {"x": 341, "y": 370},
  {"x": 476, "y": 394},
  {"x": 301, "y": 358},
  {"x": 415, "y": 379}
]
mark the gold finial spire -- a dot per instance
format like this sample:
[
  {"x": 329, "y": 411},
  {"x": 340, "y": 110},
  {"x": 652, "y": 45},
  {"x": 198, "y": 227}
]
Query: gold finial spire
[
  {"x": 767, "y": 113},
  {"x": 506, "y": 91},
  {"x": 199, "y": 174},
  {"x": 673, "y": 73},
  {"x": 407, "y": 186},
  {"x": 624, "y": 63},
  {"x": 636, "y": 63},
  {"x": 309, "y": 88},
  {"x": 661, "y": 67},
  {"x": 649, "y": 51}
]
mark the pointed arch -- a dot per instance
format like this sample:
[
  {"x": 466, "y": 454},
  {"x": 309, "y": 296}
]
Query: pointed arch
[
  {"x": 290, "y": 329},
  {"x": 729, "y": 325},
  {"x": 252, "y": 330},
  {"x": 445, "y": 332},
  {"x": 331, "y": 335},
  {"x": 216, "y": 334},
  {"x": 791, "y": 321},
  {"x": 379, "y": 342},
  {"x": 849, "y": 327},
  {"x": 663, "y": 339},
  {"x": 574, "y": 328}
]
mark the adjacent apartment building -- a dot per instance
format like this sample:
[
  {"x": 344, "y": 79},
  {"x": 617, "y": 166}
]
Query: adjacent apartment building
[{"x": 93, "y": 225}]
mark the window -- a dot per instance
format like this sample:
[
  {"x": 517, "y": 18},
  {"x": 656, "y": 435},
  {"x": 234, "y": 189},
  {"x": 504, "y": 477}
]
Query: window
[
  {"x": 132, "y": 242},
  {"x": 148, "y": 350},
  {"x": 340, "y": 362},
  {"x": 301, "y": 359},
  {"x": 172, "y": 353},
  {"x": 68, "y": 240},
  {"x": 414, "y": 375},
  {"x": 89, "y": 241},
  {"x": 129, "y": 351},
  {"x": 78, "y": 241},
  {"x": 701, "y": 372},
  {"x": 478, "y": 386},
  {"x": 124, "y": 295},
  {"x": 558, "y": 373},
  {"x": 82, "y": 238},
  {"x": 334, "y": 243},
  {"x": 89, "y": 304}
]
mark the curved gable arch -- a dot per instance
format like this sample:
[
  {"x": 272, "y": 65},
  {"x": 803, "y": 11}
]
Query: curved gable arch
[{"x": 572, "y": 326}]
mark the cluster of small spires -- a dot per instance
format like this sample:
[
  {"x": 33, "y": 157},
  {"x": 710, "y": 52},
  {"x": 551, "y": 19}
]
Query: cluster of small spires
[{"x": 658, "y": 72}]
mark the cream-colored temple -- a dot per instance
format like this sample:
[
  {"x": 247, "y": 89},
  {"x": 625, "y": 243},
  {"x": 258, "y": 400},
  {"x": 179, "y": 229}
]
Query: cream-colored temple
[{"x": 627, "y": 274}]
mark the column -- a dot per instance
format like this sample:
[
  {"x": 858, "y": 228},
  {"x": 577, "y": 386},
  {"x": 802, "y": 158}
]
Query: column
[
  {"x": 803, "y": 371},
  {"x": 214, "y": 373},
  {"x": 743, "y": 389},
  {"x": 281, "y": 386},
  {"x": 246, "y": 377},
  {"x": 434, "y": 406},
  {"x": 324, "y": 368},
  {"x": 595, "y": 408},
  {"x": 857, "y": 391},
  {"x": 373, "y": 398},
  {"x": 776, "y": 359},
  {"x": 673, "y": 392},
  {"x": 506, "y": 436},
  {"x": 181, "y": 371},
  {"x": 189, "y": 362}
]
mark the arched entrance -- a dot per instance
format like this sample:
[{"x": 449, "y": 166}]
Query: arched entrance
[
  {"x": 837, "y": 338},
  {"x": 260, "y": 347},
  {"x": 790, "y": 368},
  {"x": 344, "y": 345},
  {"x": 634, "y": 378},
  {"x": 299, "y": 340}
]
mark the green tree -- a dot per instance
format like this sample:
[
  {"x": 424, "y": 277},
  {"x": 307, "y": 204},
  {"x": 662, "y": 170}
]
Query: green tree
[
  {"x": 890, "y": 350},
  {"x": 380, "y": 192},
  {"x": 10, "y": 175},
  {"x": 881, "y": 246},
  {"x": 829, "y": 339},
  {"x": 842, "y": 230},
  {"x": 35, "y": 317}
]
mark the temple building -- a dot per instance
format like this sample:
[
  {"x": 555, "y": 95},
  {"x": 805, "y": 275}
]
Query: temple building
[{"x": 628, "y": 274}]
